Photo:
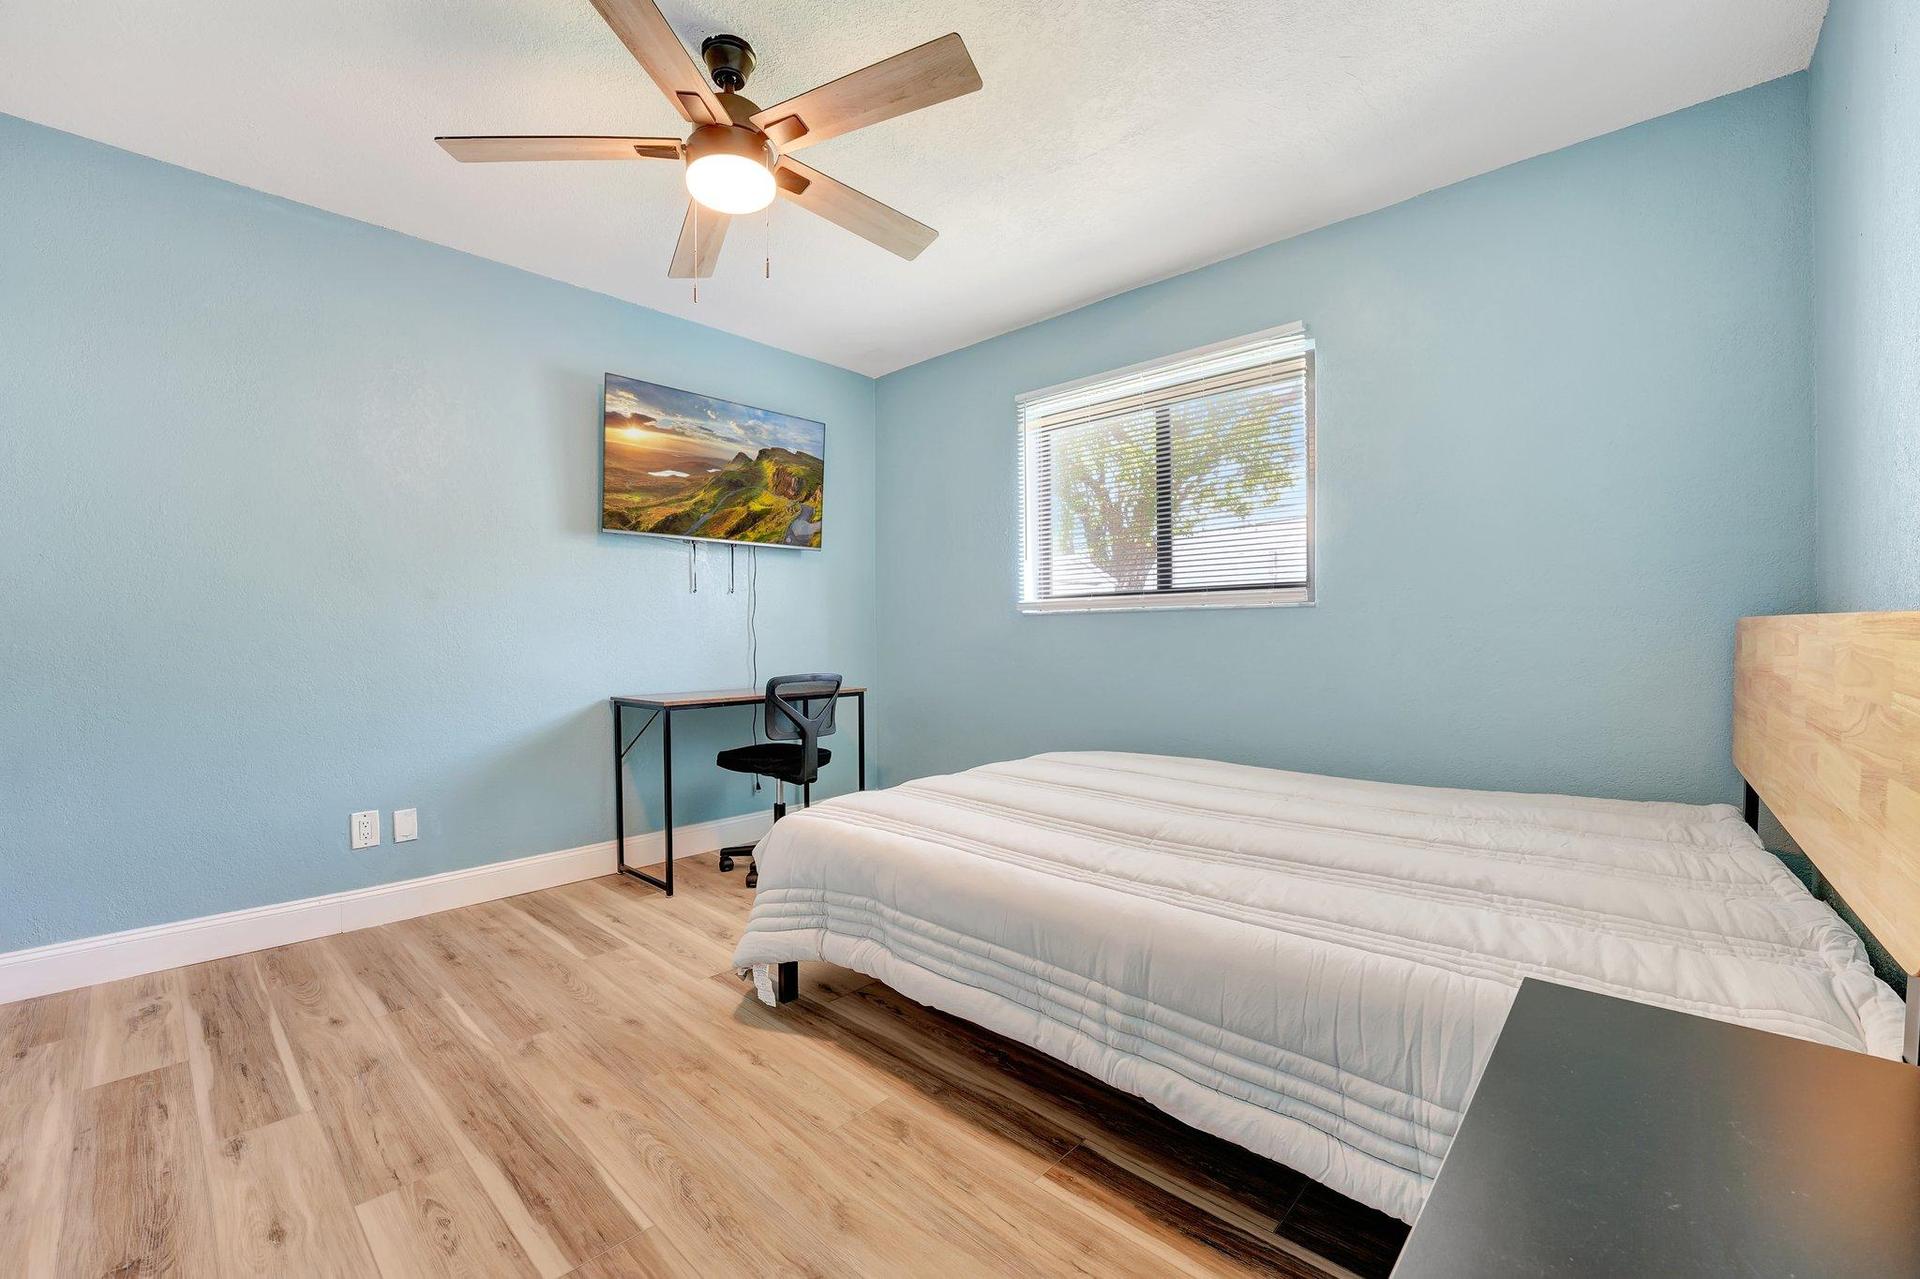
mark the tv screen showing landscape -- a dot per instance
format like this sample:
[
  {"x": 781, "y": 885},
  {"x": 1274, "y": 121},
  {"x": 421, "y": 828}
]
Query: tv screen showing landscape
[{"x": 676, "y": 464}]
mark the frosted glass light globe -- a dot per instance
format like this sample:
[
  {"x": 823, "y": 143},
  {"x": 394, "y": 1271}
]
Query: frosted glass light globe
[{"x": 731, "y": 184}]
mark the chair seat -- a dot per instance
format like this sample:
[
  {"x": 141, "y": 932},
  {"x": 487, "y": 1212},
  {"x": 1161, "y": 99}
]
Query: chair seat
[{"x": 770, "y": 759}]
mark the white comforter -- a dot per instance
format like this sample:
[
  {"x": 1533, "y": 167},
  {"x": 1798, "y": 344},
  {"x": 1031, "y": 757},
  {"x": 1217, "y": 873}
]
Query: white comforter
[{"x": 1314, "y": 968}]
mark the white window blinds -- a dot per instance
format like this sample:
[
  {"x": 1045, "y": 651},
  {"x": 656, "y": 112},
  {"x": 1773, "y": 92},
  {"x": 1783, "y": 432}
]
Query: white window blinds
[{"x": 1183, "y": 483}]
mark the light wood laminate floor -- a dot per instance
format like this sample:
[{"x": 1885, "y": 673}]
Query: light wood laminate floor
[{"x": 572, "y": 1083}]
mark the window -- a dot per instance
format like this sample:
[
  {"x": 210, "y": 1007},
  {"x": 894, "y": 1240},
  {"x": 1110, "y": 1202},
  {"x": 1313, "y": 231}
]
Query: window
[{"x": 1183, "y": 483}]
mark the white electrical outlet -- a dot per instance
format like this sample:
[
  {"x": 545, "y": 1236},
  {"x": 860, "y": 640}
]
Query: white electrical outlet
[
  {"x": 406, "y": 824},
  {"x": 365, "y": 829}
]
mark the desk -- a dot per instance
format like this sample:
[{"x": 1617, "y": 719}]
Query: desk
[
  {"x": 663, "y": 705},
  {"x": 1613, "y": 1138}
]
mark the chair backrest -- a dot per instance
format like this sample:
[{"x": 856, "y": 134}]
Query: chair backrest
[{"x": 800, "y": 707}]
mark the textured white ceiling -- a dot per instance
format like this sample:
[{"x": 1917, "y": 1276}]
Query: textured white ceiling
[{"x": 1116, "y": 141}]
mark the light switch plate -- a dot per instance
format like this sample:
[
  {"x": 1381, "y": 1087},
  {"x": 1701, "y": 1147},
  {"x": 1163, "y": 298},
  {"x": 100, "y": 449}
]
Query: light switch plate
[
  {"x": 364, "y": 829},
  {"x": 406, "y": 824}
]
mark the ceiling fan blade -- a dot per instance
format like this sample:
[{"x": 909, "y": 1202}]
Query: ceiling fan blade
[
  {"x": 710, "y": 234},
  {"x": 650, "y": 39},
  {"x": 933, "y": 72},
  {"x": 845, "y": 207},
  {"x": 480, "y": 150}
]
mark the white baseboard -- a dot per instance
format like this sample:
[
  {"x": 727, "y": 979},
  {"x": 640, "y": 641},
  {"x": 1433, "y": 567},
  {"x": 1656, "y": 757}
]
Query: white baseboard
[{"x": 66, "y": 965}]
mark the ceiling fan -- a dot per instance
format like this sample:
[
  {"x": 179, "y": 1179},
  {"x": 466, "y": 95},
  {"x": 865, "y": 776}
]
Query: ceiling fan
[{"x": 739, "y": 155}]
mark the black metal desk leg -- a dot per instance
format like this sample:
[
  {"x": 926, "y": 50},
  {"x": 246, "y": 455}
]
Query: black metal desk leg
[
  {"x": 666, "y": 779},
  {"x": 619, "y": 798},
  {"x": 620, "y": 748},
  {"x": 860, "y": 713}
]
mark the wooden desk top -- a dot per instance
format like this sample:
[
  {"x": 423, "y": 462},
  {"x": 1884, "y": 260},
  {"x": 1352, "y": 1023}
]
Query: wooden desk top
[
  {"x": 1613, "y": 1138},
  {"x": 711, "y": 697}
]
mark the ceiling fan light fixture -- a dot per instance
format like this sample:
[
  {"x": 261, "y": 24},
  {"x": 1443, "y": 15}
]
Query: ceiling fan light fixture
[
  {"x": 739, "y": 156},
  {"x": 730, "y": 169}
]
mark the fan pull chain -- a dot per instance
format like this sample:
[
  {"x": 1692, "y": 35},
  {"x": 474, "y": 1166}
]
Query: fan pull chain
[
  {"x": 766, "y": 266},
  {"x": 694, "y": 208}
]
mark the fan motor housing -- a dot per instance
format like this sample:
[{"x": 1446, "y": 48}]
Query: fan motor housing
[
  {"x": 729, "y": 139},
  {"x": 729, "y": 61}
]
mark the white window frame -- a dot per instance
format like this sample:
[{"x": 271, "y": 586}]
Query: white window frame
[{"x": 1291, "y": 596}]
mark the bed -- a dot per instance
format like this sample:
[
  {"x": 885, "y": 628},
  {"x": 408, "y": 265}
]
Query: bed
[{"x": 1314, "y": 968}]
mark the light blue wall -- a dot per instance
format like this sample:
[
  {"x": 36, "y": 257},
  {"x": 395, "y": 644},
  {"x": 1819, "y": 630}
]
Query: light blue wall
[
  {"x": 1865, "y": 106},
  {"x": 298, "y": 516},
  {"x": 1565, "y": 440}
]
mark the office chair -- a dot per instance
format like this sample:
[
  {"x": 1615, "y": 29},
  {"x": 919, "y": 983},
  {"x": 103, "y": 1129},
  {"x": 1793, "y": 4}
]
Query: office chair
[{"x": 799, "y": 713}]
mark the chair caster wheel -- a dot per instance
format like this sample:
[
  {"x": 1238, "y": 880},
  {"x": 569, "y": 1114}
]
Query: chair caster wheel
[
  {"x": 726, "y": 862},
  {"x": 753, "y": 877}
]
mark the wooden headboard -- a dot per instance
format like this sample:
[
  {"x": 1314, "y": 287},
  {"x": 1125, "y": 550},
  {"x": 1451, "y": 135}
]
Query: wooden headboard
[{"x": 1826, "y": 729}]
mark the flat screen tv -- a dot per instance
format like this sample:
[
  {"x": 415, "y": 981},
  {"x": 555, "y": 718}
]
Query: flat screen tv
[{"x": 676, "y": 464}]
